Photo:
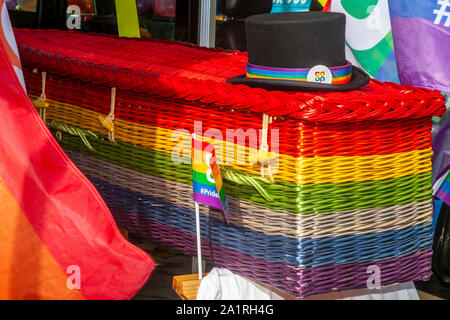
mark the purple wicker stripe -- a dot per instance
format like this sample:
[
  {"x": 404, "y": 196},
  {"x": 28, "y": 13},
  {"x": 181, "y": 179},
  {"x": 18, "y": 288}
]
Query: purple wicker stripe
[
  {"x": 413, "y": 267},
  {"x": 299, "y": 283}
]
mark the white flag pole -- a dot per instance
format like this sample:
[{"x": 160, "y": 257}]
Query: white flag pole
[
  {"x": 199, "y": 243},
  {"x": 197, "y": 226}
]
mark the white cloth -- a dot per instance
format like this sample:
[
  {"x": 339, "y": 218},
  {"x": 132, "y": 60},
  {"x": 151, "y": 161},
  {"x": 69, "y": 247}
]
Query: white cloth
[
  {"x": 402, "y": 291},
  {"x": 222, "y": 284}
]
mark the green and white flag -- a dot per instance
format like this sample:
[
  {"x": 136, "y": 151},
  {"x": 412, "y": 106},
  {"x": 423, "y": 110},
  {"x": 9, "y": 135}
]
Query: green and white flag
[{"x": 369, "y": 37}]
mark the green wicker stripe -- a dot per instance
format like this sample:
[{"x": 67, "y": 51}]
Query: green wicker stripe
[
  {"x": 303, "y": 199},
  {"x": 241, "y": 179}
]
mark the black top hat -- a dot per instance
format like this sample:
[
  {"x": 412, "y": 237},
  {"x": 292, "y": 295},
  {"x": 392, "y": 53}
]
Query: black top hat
[{"x": 299, "y": 51}]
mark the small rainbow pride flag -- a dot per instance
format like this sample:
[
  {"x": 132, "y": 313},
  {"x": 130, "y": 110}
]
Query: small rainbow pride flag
[{"x": 207, "y": 182}]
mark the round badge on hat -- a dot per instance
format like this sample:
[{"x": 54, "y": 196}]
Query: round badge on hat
[{"x": 319, "y": 74}]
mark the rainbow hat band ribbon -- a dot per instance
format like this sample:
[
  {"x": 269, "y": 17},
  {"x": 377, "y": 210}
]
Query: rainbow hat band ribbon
[{"x": 340, "y": 75}]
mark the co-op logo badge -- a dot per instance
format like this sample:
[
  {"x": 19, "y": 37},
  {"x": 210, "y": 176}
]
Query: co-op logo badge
[{"x": 320, "y": 74}]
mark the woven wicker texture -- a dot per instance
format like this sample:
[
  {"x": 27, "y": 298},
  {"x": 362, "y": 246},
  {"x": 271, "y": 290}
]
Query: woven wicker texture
[
  {"x": 258, "y": 218},
  {"x": 351, "y": 182},
  {"x": 286, "y": 196},
  {"x": 348, "y": 139},
  {"x": 330, "y": 169},
  {"x": 183, "y": 71},
  {"x": 298, "y": 282},
  {"x": 355, "y": 248},
  {"x": 302, "y": 253}
]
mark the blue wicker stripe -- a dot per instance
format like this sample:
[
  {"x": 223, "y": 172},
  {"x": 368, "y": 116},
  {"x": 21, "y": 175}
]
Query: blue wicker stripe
[{"x": 276, "y": 249}]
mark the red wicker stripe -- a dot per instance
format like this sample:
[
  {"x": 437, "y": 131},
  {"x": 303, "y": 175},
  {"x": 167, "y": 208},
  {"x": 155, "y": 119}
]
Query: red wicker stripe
[{"x": 170, "y": 69}]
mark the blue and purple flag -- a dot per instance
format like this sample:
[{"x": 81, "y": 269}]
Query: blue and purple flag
[
  {"x": 421, "y": 31},
  {"x": 443, "y": 192}
]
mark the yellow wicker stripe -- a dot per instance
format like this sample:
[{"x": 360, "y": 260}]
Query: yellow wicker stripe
[{"x": 333, "y": 169}]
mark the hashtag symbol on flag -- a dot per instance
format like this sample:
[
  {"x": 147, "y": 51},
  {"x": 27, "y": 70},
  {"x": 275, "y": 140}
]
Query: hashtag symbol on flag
[{"x": 442, "y": 12}]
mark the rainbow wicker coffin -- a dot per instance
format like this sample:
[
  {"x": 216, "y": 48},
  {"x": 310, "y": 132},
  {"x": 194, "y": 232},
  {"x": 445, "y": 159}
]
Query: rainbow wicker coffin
[{"x": 320, "y": 187}]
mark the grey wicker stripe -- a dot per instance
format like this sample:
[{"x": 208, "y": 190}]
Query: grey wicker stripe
[{"x": 262, "y": 219}]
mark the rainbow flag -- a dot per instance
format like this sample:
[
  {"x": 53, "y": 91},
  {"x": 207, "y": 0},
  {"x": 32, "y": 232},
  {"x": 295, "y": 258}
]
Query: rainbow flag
[
  {"x": 58, "y": 238},
  {"x": 207, "y": 181},
  {"x": 320, "y": 5}
]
